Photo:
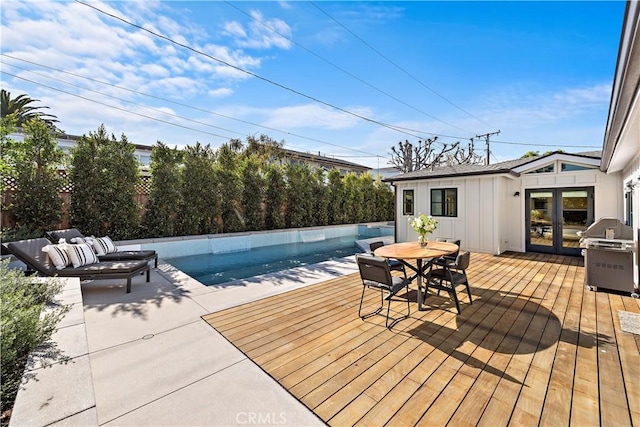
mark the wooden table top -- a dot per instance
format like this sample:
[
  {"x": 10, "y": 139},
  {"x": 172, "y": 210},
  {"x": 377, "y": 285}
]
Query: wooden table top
[{"x": 413, "y": 250}]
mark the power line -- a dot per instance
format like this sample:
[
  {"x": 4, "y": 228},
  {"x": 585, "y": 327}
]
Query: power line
[
  {"x": 114, "y": 107},
  {"x": 250, "y": 73},
  {"x": 345, "y": 71},
  {"x": 174, "y": 102},
  {"x": 398, "y": 66},
  {"x": 527, "y": 144},
  {"x": 126, "y": 100}
]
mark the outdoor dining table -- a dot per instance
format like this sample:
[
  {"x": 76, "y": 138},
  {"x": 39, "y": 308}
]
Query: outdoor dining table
[{"x": 407, "y": 251}]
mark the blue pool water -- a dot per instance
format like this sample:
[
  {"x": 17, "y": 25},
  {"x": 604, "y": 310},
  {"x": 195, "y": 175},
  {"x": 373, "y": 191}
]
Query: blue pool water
[{"x": 213, "y": 269}]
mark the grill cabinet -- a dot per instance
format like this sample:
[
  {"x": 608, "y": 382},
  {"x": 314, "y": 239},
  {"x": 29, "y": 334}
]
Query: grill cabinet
[{"x": 609, "y": 252}]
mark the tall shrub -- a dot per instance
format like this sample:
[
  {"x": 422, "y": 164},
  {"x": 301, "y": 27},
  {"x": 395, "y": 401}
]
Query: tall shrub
[
  {"x": 7, "y": 126},
  {"x": 299, "y": 205},
  {"x": 165, "y": 197},
  {"x": 335, "y": 204},
  {"x": 252, "y": 194},
  {"x": 320, "y": 194},
  {"x": 274, "y": 198},
  {"x": 353, "y": 198},
  {"x": 37, "y": 205},
  {"x": 104, "y": 175},
  {"x": 385, "y": 201},
  {"x": 229, "y": 189},
  {"x": 199, "y": 201},
  {"x": 368, "y": 194}
]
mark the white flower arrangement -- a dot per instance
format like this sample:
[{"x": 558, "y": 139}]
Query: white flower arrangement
[{"x": 423, "y": 224}]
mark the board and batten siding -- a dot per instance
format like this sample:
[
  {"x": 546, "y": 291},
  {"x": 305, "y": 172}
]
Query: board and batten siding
[
  {"x": 480, "y": 221},
  {"x": 490, "y": 217}
]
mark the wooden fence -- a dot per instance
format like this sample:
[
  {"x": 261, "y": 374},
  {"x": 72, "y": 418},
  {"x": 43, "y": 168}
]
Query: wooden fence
[{"x": 8, "y": 221}]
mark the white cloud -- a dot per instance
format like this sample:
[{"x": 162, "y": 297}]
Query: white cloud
[
  {"x": 71, "y": 36},
  {"x": 531, "y": 108},
  {"x": 220, "y": 92},
  {"x": 313, "y": 116},
  {"x": 260, "y": 33},
  {"x": 235, "y": 29}
]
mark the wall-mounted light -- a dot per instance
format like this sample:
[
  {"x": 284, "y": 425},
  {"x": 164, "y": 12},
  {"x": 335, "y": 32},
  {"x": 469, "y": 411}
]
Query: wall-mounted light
[{"x": 516, "y": 194}]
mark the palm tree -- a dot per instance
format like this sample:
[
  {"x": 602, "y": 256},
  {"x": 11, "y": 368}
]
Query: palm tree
[{"x": 23, "y": 112}]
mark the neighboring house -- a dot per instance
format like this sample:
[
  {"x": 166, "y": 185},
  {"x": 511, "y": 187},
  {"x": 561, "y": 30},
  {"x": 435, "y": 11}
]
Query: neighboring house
[
  {"x": 67, "y": 142},
  {"x": 143, "y": 154},
  {"x": 320, "y": 161},
  {"x": 532, "y": 204},
  {"x": 387, "y": 172}
]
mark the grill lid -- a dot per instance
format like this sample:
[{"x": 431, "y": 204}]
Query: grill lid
[{"x": 599, "y": 229}]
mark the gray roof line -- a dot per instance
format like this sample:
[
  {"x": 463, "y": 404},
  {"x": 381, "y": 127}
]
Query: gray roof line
[{"x": 505, "y": 167}]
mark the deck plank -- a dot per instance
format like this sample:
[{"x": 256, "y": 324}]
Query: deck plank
[
  {"x": 613, "y": 409},
  {"x": 535, "y": 347}
]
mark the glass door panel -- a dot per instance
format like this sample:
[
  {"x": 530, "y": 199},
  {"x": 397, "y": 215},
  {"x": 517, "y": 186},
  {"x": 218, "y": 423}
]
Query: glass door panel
[
  {"x": 555, "y": 216},
  {"x": 541, "y": 218},
  {"x": 575, "y": 216}
]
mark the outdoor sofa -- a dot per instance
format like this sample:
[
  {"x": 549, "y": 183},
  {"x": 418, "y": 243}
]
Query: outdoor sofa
[
  {"x": 30, "y": 252},
  {"x": 71, "y": 233}
]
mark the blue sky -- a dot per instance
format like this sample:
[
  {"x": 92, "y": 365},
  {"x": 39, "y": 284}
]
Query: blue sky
[{"x": 348, "y": 79}]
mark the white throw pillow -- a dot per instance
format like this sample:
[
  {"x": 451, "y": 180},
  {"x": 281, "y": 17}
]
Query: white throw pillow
[
  {"x": 104, "y": 245},
  {"x": 81, "y": 254},
  {"x": 58, "y": 256},
  {"x": 78, "y": 240}
]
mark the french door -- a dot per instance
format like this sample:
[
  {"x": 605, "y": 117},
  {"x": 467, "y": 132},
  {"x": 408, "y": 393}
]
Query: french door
[{"x": 554, "y": 216}]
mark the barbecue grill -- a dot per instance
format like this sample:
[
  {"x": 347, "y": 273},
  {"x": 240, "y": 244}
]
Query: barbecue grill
[{"x": 609, "y": 252}]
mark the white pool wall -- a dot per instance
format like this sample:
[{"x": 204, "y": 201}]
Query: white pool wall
[{"x": 170, "y": 247}]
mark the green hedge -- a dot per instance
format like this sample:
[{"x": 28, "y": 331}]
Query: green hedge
[{"x": 198, "y": 190}]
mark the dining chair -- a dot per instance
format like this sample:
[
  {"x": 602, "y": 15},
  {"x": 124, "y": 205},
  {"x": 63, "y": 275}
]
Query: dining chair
[
  {"x": 449, "y": 275},
  {"x": 375, "y": 273},
  {"x": 394, "y": 264},
  {"x": 451, "y": 258}
]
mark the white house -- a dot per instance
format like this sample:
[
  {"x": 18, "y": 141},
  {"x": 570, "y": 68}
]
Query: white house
[
  {"x": 538, "y": 204},
  {"x": 532, "y": 204}
]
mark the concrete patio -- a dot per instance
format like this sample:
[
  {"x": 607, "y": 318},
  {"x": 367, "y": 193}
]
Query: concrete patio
[{"x": 148, "y": 358}]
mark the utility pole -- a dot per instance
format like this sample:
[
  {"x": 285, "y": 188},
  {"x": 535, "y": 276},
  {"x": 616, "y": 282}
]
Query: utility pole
[{"x": 486, "y": 139}]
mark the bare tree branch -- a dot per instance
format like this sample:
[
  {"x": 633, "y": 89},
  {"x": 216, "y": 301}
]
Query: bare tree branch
[{"x": 408, "y": 157}]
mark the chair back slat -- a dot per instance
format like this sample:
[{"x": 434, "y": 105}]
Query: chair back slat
[
  {"x": 374, "y": 269},
  {"x": 375, "y": 245},
  {"x": 462, "y": 261}
]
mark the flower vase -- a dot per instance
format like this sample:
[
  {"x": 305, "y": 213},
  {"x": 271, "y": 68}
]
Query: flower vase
[{"x": 423, "y": 240}]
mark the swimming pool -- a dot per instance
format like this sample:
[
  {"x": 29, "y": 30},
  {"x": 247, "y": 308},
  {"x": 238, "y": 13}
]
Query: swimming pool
[{"x": 213, "y": 269}]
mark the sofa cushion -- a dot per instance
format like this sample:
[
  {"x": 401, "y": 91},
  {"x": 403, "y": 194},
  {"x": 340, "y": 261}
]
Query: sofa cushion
[
  {"x": 58, "y": 255},
  {"x": 81, "y": 254},
  {"x": 103, "y": 245}
]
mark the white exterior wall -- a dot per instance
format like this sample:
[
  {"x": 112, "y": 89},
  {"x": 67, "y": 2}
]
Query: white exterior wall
[
  {"x": 480, "y": 222},
  {"x": 491, "y": 218}
]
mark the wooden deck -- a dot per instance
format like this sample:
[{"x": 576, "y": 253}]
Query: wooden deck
[{"x": 534, "y": 348}]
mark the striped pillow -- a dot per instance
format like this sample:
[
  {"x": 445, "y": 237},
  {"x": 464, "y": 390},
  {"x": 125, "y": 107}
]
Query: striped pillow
[
  {"x": 57, "y": 255},
  {"x": 81, "y": 254},
  {"x": 104, "y": 245}
]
